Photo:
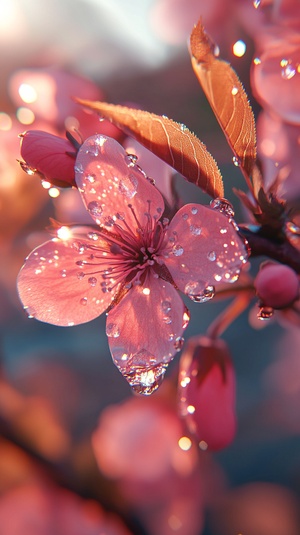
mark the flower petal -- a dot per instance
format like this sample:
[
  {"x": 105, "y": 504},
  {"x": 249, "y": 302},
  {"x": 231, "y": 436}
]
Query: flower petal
[
  {"x": 203, "y": 249},
  {"x": 113, "y": 187},
  {"x": 144, "y": 332},
  {"x": 59, "y": 284}
]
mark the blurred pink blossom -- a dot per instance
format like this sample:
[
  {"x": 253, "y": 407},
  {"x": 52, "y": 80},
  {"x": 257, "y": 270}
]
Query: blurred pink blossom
[{"x": 207, "y": 392}]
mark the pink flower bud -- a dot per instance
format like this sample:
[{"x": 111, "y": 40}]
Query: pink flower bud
[
  {"x": 207, "y": 392},
  {"x": 51, "y": 156},
  {"x": 277, "y": 285}
]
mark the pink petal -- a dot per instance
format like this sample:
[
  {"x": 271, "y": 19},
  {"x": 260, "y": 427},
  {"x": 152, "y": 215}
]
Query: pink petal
[
  {"x": 203, "y": 249},
  {"x": 56, "y": 286},
  {"x": 111, "y": 184},
  {"x": 144, "y": 332},
  {"x": 49, "y": 155},
  {"x": 154, "y": 167},
  {"x": 207, "y": 392}
]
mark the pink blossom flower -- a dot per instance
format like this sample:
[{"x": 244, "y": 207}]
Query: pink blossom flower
[
  {"x": 51, "y": 156},
  {"x": 131, "y": 265},
  {"x": 207, "y": 392}
]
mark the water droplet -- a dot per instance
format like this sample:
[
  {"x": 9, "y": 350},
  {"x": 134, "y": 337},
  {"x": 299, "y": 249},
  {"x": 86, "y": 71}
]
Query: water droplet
[
  {"x": 177, "y": 250},
  {"x": 288, "y": 71},
  {"x": 166, "y": 306},
  {"x": 197, "y": 293},
  {"x": 194, "y": 210},
  {"x": 128, "y": 186},
  {"x": 112, "y": 330},
  {"x": 183, "y": 127},
  {"x": 31, "y": 313},
  {"x": 78, "y": 168},
  {"x": 211, "y": 256},
  {"x": 265, "y": 313},
  {"x": 93, "y": 236},
  {"x": 185, "y": 318},
  {"x": 63, "y": 272},
  {"x": 195, "y": 230},
  {"x": 236, "y": 161},
  {"x": 29, "y": 170},
  {"x": 167, "y": 320},
  {"x": 90, "y": 177},
  {"x": 92, "y": 281},
  {"x": 223, "y": 231},
  {"x": 185, "y": 217},
  {"x": 178, "y": 344},
  {"x": 80, "y": 275},
  {"x": 131, "y": 159},
  {"x": 95, "y": 209},
  {"x": 256, "y": 3},
  {"x": 83, "y": 301},
  {"x": 223, "y": 206},
  {"x": 146, "y": 380}
]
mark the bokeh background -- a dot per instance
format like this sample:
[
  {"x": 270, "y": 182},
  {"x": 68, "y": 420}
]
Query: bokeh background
[{"x": 56, "y": 383}]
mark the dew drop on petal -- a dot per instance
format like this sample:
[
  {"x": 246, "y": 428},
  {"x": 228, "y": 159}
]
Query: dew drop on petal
[
  {"x": 92, "y": 281},
  {"x": 63, "y": 272},
  {"x": 94, "y": 208},
  {"x": 195, "y": 230},
  {"x": 90, "y": 177},
  {"x": 128, "y": 186},
  {"x": 223, "y": 206},
  {"x": 80, "y": 275},
  {"x": 194, "y": 210},
  {"x": 195, "y": 291},
  {"x": 166, "y": 306},
  {"x": 178, "y": 344},
  {"x": 211, "y": 256},
  {"x": 288, "y": 71},
  {"x": 112, "y": 330},
  {"x": 185, "y": 216},
  {"x": 83, "y": 301},
  {"x": 177, "y": 250},
  {"x": 131, "y": 159}
]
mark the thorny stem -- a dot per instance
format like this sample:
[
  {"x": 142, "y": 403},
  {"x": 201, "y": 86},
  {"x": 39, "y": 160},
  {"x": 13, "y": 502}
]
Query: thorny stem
[
  {"x": 227, "y": 316},
  {"x": 283, "y": 251}
]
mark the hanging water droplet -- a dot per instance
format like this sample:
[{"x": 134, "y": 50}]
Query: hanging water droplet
[
  {"x": 145, "y": 380},
  {"x": 178, "y": 344},
  {"x": 128, "y": 186},
  {"x": 29, "y": 170},
  {"x": 195, "y": 230},
  {"x": 265, "y": 313},
  {"x": 95, "y": 209},
  {"x": 112, "y": 330},
  {"x": 223, "y": 206},
  {"x": 166, "y": 306},
  {"x": 31, "y": 313},
  {"x": 83, "y": 301},
  {"x": 177, "y": 250},
  {"x": 92, "y": 281},
  {"x": 211, "y": 256}
]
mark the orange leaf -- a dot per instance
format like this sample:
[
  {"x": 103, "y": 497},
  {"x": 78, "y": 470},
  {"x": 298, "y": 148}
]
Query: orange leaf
[
  {"x": 170, "y": 141},
  {"x": 227, "y": 98}
]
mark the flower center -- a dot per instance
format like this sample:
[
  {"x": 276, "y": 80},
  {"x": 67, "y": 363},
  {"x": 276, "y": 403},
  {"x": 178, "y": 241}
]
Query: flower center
[{"x": 123, "y": 254}]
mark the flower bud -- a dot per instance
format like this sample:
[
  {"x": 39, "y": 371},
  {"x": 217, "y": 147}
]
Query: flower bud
[
  {"x": 277, "y": 285},
  {"x": 51, "y": 156},
  {"x": 207, "y": 392}
]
